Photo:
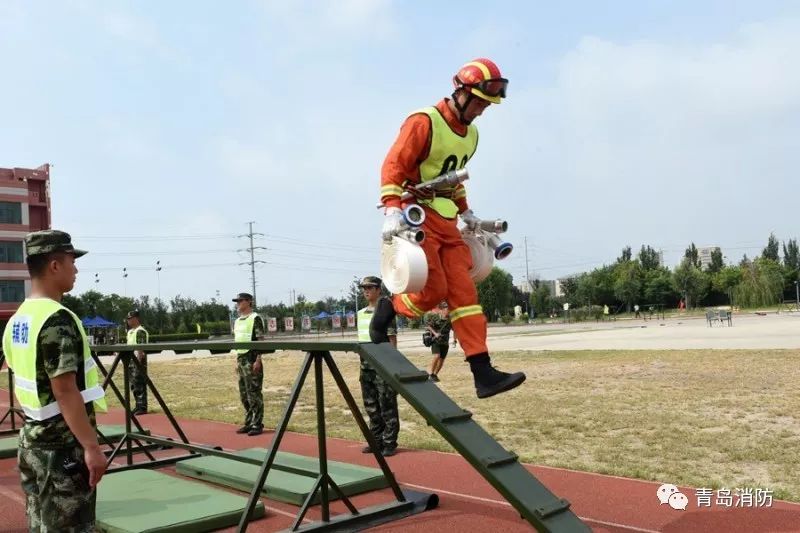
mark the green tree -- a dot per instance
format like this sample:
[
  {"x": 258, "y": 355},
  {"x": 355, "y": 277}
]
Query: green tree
[
  {"x": 601, "y": 281},
  {"x": 761, "y": 284},
  {"x": 628, "y": 285},
  {"x": 690, "y": 281},
  {"x": 648, "y": 258},
  {"x": 540, "y": 299},
  {"x": 772, "y": 249},
  {"x": 692, "y": 255},
  {"x": 494, "y": 293},
  {"x": 791, "y": 255},
  {"x": 90, "y": 300},
  {"x": 569, "y": 289},
  {"x": 658, "y": 287},
  {"x": 625, "y": 256},
  {"x": 716, "y": 263},
  {"x": 74, "y": 304},
  {"x": 726, "y": 280}
]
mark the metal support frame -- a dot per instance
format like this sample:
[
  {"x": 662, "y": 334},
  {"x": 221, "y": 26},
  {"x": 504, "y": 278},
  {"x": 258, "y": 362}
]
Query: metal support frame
[
  {"x": 501, "y": 468},
  {"x": 12, "y": 412},
  {"x": 406, "y": 502},
  {"x": 138, "y": 438}
]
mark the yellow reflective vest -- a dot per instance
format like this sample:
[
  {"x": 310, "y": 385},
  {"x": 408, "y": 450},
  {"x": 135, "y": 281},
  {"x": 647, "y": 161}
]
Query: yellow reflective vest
[
  {"x": 363, "y": 319},
  {"x": 133, "y": 332},
  {"x": 19, "y": 346},
  {"x": 449, "y": 151},
  {"x": 243, "y": 330}
]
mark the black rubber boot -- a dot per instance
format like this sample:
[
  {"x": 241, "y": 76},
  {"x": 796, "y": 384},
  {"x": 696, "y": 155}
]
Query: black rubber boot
[
  {"x": 367, "y": 449},
  {"x": 490, "y": 381}
]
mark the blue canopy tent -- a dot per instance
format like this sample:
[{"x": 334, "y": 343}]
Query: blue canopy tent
[
  {"x": 100, "y": 322},
  {"x": 319, "y": 318},
  {"x": 92, "y": 324}
]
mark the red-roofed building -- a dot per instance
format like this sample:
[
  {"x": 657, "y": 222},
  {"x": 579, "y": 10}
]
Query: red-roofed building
[{"x": 24, "y": 207}]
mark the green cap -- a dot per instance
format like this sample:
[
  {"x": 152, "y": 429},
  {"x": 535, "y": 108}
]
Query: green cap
[
  {"x": 370, "y": 281},
  {"x": 48, "y": 241}
]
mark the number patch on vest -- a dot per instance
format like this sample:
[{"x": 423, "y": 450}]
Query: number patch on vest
[
  {"x": 20, "y": 330},
  {"x": 451, "y": 163}
]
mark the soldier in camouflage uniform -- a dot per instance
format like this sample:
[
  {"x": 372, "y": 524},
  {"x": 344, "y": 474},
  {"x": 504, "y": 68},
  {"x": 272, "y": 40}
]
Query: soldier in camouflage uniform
[
  {"x": 249, "y": 327},
  {"x": 60, "y": 461},
  {"x": 438, "y": 324},
  {"x": 380, "y": 400},
  {"x": 138, "y": 335}
]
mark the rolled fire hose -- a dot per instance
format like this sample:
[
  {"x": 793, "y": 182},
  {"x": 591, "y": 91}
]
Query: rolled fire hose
[
  {"x": 404, "y": 267},
  {"x": 482, "y": 255}
]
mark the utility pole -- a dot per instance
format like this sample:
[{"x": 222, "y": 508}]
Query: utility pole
[
  {"x": 355, "y": 293},
  {"x": 253, "y": 259},
  {"x": 527, "y": 272}
]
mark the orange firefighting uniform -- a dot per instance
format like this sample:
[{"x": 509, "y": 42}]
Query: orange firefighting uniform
[{"x": 449, "y": 258}]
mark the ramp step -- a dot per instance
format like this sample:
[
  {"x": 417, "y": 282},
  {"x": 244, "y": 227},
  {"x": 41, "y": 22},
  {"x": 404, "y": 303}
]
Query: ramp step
[
  {"x": 410, "y": 377},
  {"x": 559, "y": 506},
  {"x": 495, "y": 461},
  {"x": 500, "y": 467},
  {"x": 462, "y": 416}
]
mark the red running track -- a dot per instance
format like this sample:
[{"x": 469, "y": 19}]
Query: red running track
[{"x": 467, "y": 502}]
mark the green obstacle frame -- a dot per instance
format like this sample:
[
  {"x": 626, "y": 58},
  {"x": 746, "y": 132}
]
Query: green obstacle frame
[
  {"x": 13, "y": 412},
  {"x": 501, "y": 468},
  {"x": 107, "y": 434},
  {"x": 406, "y": 502}
]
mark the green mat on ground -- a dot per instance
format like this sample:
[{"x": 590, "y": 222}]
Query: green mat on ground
[
  {"x": 280, "y": 485},
  {"x": 8, "y": 445},
  {"x": 141, "y": 500}
]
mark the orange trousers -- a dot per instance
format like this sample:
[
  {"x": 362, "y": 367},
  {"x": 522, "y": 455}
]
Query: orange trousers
[{"x": 449, "y": 263}]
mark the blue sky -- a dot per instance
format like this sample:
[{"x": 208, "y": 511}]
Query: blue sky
[{"x": 172, "y": 124}]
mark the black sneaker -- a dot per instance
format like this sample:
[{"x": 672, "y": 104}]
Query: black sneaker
[
  {"x": 390, "y": 451},
  {"x": 367, "y": 449},
  {"x": 255, "y": 430},
  {"x": 139, "y": 410},
  {"x": 434, "y": 378},
  {"x": 490, "y": 381},
  {"x": 243, "y": 429}
]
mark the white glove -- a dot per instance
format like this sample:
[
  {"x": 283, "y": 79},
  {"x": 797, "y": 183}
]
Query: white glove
[
  {"x": 392, "y": 223},
  {"x": 469, "y": 218}
]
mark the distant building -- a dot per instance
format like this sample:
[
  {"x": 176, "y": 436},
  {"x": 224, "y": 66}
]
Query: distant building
[
  {"x": 24, "y": 207},
  {"x": 704, "y": 255}
]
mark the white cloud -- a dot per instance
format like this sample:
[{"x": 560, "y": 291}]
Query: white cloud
[
  {"x": 328, "y": 25},
  {"x": 650, "y": 142}
]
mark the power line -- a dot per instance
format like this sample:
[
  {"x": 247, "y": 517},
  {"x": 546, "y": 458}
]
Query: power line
[
  {"x": 169, "y": 252},
  {"x": 156, "y": 237}
]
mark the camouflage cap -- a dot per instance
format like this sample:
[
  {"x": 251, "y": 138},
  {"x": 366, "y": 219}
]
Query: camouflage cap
[
  {"x": 370, "y": 281},
  {"x": 48, "y": 241},
  {"x": 133, "y": 314},
  {"x": 243, "y": 296}
]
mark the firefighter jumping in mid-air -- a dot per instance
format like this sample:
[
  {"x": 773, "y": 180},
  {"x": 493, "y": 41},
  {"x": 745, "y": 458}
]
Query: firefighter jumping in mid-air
[{"x": 432, "y": 141}]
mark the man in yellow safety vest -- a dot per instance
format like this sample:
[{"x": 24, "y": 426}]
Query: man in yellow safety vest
[{"x": 60, "y": 460}]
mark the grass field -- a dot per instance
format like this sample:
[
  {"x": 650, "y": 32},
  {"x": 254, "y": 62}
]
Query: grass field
[{"x": 707, "y": 418}]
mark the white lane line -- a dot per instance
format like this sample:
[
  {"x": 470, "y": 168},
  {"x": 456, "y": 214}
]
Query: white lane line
[{"x": 500, "y": 502}]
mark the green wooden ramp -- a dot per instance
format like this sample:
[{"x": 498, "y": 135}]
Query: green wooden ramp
[
  {"x": 141, "y": 500},
  {"x": 499, "y": 467},
  {"x": 290, "y": 480},
  {"x": 8, "y": 445}
]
